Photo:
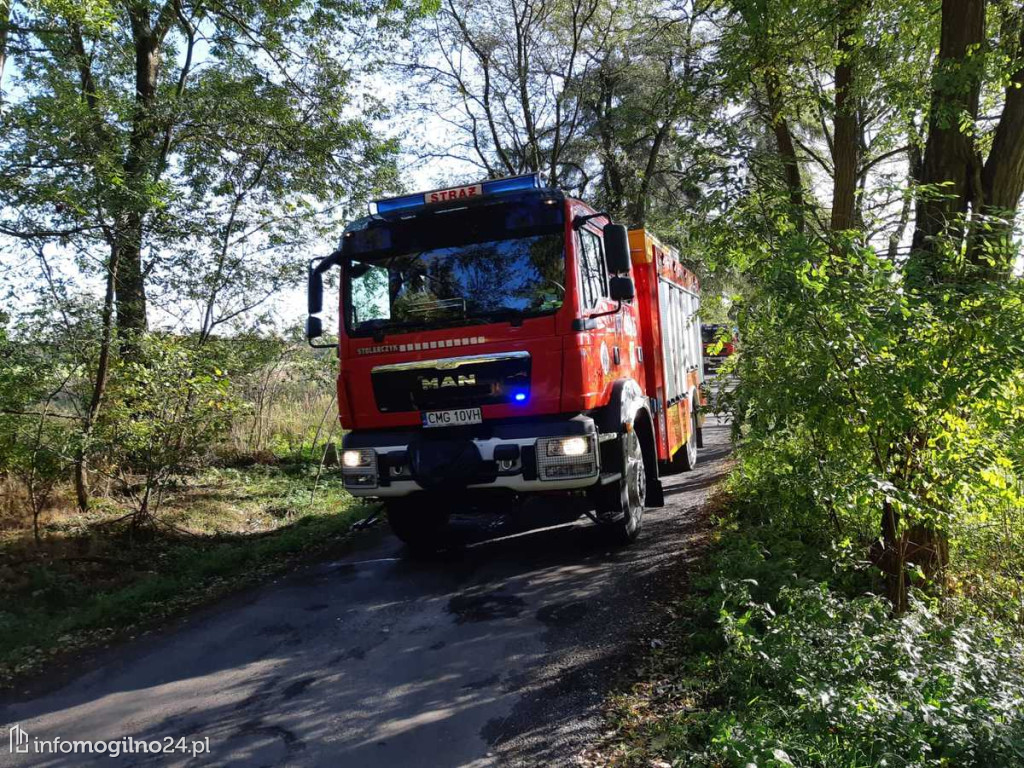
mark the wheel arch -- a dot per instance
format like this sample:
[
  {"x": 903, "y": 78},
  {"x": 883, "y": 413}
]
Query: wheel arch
[
  {"x": 629, "y": 408},
  {"x": 696, "y": 407},
  {"x": 626, "y": 400}
]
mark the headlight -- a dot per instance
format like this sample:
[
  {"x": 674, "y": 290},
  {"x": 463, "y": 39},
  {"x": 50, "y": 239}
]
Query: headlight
[
  {"x": 355, "y": 459},
  {"x": 359, "y": 468},
  {"x": 565, "y": 458},
  {"x": 568, "y": 446}
]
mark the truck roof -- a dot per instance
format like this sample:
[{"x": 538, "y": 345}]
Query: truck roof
[{"x": 447, "y": 198}]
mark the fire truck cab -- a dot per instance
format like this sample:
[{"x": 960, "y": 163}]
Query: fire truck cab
[{"x": 503, "y": 339}]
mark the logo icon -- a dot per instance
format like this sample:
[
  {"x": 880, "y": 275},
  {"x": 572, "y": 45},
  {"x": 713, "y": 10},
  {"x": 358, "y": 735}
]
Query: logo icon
[
  {"x": 438, "y": 382},
  {"x": 18, "y": 740}
]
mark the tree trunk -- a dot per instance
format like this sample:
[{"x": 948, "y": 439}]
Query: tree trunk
[
  {"x": 952, "y": 163},
  {"x": 130, "y": 285},
  {"x": 615, "y": 187},
  {"x": 139, "y": 166},
  {"x": 950, "y": 157},
  {"x": 787, "y": 150},
  {"x": 846, "y": 129},
  {"x": 894, "y": 559},
  {"x": 927, "y": 548},
  {"x": 637, "y": 216},
  {"x": 100, "y": 383},
  {"x": 913, "y": 174},
  {"x": 82, "y": 494},
  {"x": 1003, "y": 177}
]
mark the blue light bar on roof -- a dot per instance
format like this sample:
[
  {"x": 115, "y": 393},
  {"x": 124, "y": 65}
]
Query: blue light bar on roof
[
  {"x": 456, "y": 194},
  {"x": 396, "y": 204},
  {"x": 512, "y": 184}
]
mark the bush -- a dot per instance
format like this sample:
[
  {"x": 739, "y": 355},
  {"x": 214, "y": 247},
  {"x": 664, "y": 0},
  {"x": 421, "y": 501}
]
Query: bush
[
  {"x": 784, "y": 659},
  {"x": 166, "y": 406},
  {"x": 878, "y": 408},
  {"x": 835, "y": 681}
]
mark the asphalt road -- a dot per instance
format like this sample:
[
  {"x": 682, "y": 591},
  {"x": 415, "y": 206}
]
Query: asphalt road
[{"x": 497, "y": 655}]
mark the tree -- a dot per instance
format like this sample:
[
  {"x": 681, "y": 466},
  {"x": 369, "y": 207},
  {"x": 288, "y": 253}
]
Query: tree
[
  {"x": 895, "y": 362},
  {"x": 967, "y": 189},
  {"x": 653, "y": 104},
  {"x": 506, "y": 79},
  {"x": 613, "y": 101},
  {"x": 185, "y": 147},
  {"x": 968, "y": 204},
  {"x": 133, "y": 118},
  {"x": 839, "y": 86}
]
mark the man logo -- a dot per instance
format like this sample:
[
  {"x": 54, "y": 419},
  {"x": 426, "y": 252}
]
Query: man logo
[{"x": 467, "y": 380}]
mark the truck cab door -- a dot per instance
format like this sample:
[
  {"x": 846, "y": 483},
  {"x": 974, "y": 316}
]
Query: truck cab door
[{"x": 619, "y": 331}]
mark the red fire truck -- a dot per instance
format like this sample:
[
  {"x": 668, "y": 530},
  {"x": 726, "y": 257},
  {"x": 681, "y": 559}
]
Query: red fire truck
[{"x": 502, "y": 339}]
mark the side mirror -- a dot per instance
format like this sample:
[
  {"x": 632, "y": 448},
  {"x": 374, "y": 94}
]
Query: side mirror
[
  {"x": 315, "y": 289},
  {"x": 621, "y": 289},
  {"x": 315, "y": 297},
  {"x": 616, "y": 249}
]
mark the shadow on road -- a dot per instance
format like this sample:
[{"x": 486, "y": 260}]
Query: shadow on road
[{"x": 499, "y": 651}]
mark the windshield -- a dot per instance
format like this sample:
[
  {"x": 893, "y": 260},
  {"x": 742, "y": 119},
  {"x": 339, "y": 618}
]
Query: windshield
[
  {"x": 466, "y": 270},
  {"x": 711, "y": 333}
]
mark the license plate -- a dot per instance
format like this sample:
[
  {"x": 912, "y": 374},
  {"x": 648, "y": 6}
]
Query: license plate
[{"x": 454, "y": 418}]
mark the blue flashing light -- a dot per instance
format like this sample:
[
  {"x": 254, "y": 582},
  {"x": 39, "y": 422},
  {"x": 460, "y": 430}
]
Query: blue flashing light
[
  {"x": 397, "y": 204},
  {"x": 519, "y": 397},
  {"x": 512, "y": 184},
  {"x": 495, "y": 187}
]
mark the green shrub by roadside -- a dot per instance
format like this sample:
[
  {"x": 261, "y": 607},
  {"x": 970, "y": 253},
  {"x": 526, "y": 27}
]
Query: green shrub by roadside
[{"x": 784, "y": 659}]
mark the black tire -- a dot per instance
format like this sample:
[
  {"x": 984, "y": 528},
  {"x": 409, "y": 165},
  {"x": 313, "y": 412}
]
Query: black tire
[
  {"x": 621, "y": 505},
  {"x": 421, "y": 525},
  {"x": 699, "y": 419}
]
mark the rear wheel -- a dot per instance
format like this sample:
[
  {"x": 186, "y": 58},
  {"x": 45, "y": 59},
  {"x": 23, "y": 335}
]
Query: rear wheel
[
  {"x": 621, "y": 505},
  {"x": 421, "y": 524},
  {"x": 687, "y": 455}
]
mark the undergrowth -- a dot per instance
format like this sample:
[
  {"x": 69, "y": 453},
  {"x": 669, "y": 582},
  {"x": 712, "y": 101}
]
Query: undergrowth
[
  {"x": 785, "y": 657},
  {"x": 90, "y": 584}
]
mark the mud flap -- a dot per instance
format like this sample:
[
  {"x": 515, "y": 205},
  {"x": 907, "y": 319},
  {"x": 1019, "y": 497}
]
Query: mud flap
[{"x": 655, "y": 494}]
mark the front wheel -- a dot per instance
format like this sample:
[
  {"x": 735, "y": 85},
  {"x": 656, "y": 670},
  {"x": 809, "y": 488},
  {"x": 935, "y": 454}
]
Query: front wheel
[
  {"x": 421, "y": 524},
  {"x": 621, "y": 505}
]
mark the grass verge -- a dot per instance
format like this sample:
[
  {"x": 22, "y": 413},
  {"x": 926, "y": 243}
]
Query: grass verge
[
  {"x": 89, "y": 584},
  {"x": 784, "y": 657}
]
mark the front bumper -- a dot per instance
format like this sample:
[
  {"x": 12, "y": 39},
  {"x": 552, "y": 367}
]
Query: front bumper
[{"x": 511, "y": 456}]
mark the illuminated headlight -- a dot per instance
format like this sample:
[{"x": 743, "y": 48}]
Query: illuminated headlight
[
  {"x": 359, "y": 468},
  {"x": 568, "y": 446},
  {"x": 565, "y": 458},
  {"x": 356, "y": 459}
]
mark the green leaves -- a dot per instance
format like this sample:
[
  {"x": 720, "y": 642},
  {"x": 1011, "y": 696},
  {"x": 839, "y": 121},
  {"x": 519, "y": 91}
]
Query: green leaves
[
  {"x": 242, "y": 147},
  {"x": 891, "y": 393},
  {"x": 778, "y": 657}
]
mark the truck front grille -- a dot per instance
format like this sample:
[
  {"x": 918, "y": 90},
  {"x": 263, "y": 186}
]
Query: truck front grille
[{"x": 453, "y": 382}]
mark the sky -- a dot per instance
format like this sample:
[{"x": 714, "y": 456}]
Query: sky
[
  {"x": 18, "y": 268},
  {"x": 425, "y": 130}
]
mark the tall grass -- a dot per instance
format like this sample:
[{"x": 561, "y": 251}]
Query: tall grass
[{"x": 291, "y": 421}]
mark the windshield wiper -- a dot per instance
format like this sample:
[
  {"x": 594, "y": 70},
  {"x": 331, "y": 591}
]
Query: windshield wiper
[{"x": 514, "y": 316}]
